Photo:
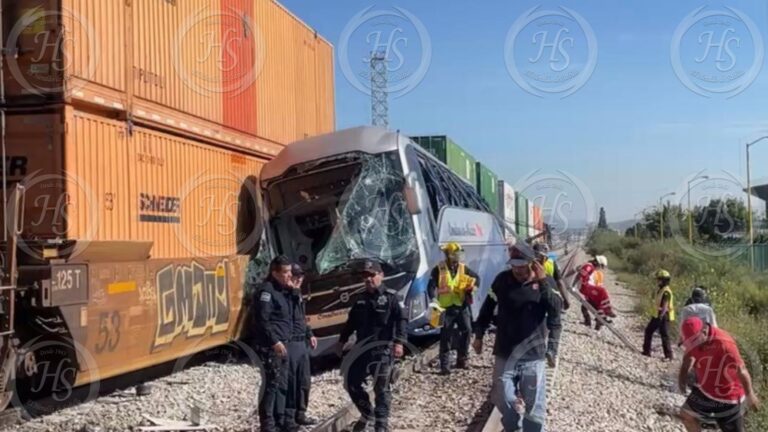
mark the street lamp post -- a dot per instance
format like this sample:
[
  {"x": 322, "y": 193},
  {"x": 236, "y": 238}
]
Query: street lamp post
[
  {"x": 661, "y": 213},
  {"x": 690, "y": 211},
  {"x": 642, "y": 212},
  {"x": 749, "y": 205}
]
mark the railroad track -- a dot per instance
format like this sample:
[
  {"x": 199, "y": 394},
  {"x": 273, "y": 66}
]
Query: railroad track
[{"x": 344, "y": 418}]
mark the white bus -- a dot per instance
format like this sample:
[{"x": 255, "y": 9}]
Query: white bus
[{"x": 371, "y": 193}]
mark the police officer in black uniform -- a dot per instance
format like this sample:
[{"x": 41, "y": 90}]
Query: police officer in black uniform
[
  {"x": 299, "y": 375},
  {"x": 277, "y": 308},
  {"x": 379, "y": 322}
]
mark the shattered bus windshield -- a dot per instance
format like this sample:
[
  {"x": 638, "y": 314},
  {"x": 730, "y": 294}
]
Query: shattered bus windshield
[{"x": 350, "y": 208}]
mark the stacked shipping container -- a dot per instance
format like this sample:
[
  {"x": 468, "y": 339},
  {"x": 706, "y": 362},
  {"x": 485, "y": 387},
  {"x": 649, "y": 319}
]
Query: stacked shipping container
[
  {"x": 139, "y": 129},
  {"x": 517, "y": 212},
  {"x": 134, "y": 107},
  {"x": 531, "y": 227},
  {"x": 487, "y": 183},
  {"x": 507, "y": 208},
  {"x": 451, "y": 154},
  {"x": 522, "y": 216},
  {"x": 245, "y": 74},
  {"x": 538, "y": 220}
]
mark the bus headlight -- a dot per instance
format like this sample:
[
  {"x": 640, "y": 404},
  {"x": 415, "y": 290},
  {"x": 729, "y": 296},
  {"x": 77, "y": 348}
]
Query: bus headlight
[{"x": 418, "y": 306}]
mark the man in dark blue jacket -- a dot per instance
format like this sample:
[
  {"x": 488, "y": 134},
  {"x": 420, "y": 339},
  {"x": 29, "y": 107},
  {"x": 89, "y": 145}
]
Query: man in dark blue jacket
[
  {"x": 278, "y": 310},
  {"x": 528, "y": 307}
]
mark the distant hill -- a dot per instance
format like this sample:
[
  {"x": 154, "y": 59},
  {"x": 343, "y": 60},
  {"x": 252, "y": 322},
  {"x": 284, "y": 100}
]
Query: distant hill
[{"x": 622, "y": 226}]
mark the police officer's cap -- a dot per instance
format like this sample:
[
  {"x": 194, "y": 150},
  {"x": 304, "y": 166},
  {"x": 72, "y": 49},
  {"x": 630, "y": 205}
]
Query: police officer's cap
[{"x": 368, "y": 266}]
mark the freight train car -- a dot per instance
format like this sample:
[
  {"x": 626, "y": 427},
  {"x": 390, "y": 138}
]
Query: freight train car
[
  {"x": 487, "y": 181},
  {"x": 507, "y": 208},
  {"x": 132, "y": 213}
]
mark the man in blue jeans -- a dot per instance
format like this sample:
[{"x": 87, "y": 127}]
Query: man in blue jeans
[{"x": 528, "y": 307}]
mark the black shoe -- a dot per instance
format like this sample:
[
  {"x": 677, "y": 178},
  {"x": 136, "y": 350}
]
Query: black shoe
[
  {"x": 303, "y": 420},
  {"x": 445, "y": 372},
  {"x": 360, "y": 426},
  {"x": 586, "y": 323},
  {"x": 291, "y": 428},
  {"x": 462, "y": 364},
  {"x": 381, "y": 429},
  {"x": 551, "y": 360}
]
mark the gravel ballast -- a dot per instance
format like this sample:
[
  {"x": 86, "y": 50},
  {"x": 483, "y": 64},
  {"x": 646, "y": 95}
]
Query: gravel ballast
[
  {"x": 601, "y": 385},
  {"x": 604, "y": 386}
]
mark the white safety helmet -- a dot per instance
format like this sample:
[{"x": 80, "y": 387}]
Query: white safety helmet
[{"x": 602, "y": 260}]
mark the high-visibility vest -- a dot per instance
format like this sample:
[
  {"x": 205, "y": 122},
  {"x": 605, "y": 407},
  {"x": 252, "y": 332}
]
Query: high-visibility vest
[
  {"x": 670, "y": 306},
  {"x": 549, "y": 268},
  {"x": 599, "y": 278},
  {"x": 452, "y": 289}
]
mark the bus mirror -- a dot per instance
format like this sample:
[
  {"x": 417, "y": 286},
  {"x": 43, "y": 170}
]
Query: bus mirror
[{"x": 410, "y": 191}]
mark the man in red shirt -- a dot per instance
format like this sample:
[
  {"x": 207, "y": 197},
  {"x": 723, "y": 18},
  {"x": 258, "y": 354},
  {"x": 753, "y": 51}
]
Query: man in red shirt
[{"x": 723, "y": 384}]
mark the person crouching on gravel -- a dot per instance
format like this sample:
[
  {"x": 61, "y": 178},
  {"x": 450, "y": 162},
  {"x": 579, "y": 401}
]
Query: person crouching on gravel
[
  {"x": 594, "y": 292},
  {"x": 528, "y": 306},
  {"x": 723, "y": 388},
  {"x": 591, "y": 278}
]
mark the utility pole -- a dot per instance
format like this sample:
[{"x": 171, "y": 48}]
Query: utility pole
[
  {"x": 749, "y": 205},
  {"x": 379, "y": 95},
  {"x": 661, "y": 213}
]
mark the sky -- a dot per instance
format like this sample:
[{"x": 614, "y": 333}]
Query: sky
[{"x": 632, "y": 130}]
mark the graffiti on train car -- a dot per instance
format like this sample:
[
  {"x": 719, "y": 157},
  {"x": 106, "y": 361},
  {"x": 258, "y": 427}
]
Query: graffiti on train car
[{"x": 191, "y": 300}]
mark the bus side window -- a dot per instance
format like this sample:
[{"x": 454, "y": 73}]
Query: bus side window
[{"x": 435, "y": 195}]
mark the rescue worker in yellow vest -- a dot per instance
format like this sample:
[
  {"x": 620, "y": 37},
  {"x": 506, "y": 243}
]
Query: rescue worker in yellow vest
[
  {"x": 552, "y": 270},
  {"x": 453, "y": 283},
  {"x": 663, "y": 315}
]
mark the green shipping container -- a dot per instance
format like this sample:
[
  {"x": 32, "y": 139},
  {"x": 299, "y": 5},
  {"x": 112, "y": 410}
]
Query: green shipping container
[
  {"x": 451, "y": 154},
  {"x": 522, "y": 216},
  {"x": 487, "y": 187}
]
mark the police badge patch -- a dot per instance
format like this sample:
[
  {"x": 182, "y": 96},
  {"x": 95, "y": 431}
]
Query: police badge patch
[
  {"x": 266, "y": 296},
  {"x": 382, "y": 300}
]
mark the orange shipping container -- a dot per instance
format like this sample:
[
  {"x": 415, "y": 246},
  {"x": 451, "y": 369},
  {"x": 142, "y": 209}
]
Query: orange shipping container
[
  {"x": 90, "y": 178},
  {"x": 245, "y": 66},
  {"x": 538, "y": 218},
  {"x": 59, "y": 48}
]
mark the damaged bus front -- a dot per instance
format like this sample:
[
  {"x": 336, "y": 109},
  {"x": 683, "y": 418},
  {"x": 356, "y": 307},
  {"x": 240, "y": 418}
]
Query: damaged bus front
[{"x": 350, "y": 195}]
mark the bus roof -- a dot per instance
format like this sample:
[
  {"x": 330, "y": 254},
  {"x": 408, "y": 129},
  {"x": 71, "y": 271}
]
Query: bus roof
[{"x": 368, "y": 139}]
